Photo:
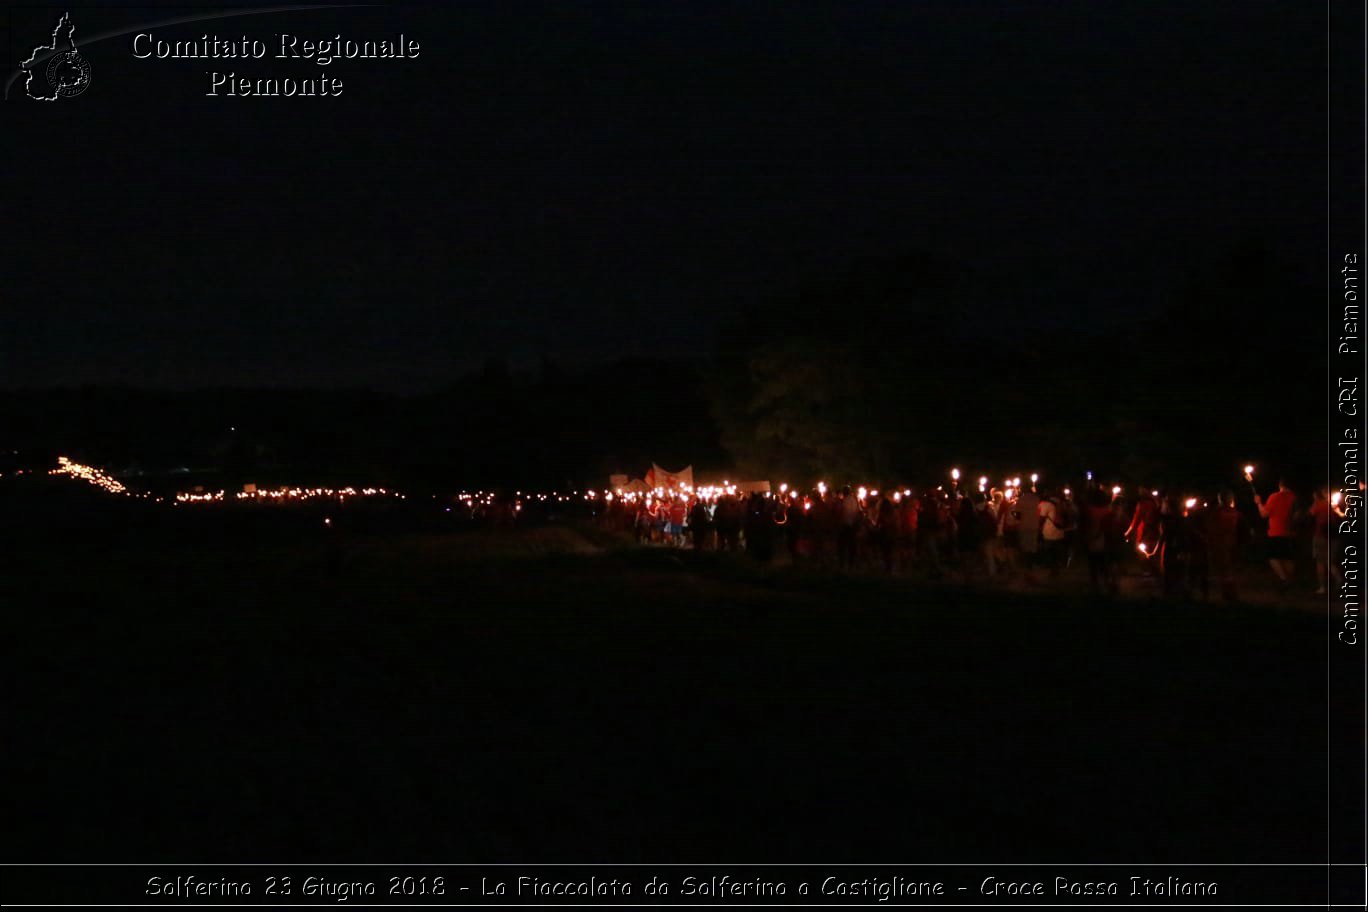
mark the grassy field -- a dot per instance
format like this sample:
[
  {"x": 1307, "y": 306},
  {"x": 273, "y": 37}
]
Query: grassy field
[{"x": 548, "y": 695}]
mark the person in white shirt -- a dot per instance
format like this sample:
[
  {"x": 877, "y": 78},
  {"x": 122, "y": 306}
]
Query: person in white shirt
[
  {"x": 1053, "y": 533},
  {"x": 851, "y": 512},
  {"x": 1028, "y": 508}
]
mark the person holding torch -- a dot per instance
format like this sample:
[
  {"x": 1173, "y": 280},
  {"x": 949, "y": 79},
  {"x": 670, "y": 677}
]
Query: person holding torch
[
  {"x": 1144, "y": 524},
  {"x": 1324, "y": 507},
  {"x": 1278, "y": 510},
  {"x": 1222, "y": 529},
  {"x": 1028, "y": 528}
]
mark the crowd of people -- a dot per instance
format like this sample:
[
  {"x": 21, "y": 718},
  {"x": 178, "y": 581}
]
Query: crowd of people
[{"x": 1190, "y": 545}]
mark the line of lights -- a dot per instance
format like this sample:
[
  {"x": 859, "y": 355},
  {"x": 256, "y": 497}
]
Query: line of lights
[
  {"x": 282, "y": 495},
  {"x": 1010, "y": 491},
  {"x": 92, "y": 476},
  {"x": 105, "y": 482}
]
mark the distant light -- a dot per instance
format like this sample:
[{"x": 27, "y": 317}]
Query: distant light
[
  {"x": 1116, "y": 491},
  {"x": 1034, "y": 477},
  {"x": 955, "y": 474}
]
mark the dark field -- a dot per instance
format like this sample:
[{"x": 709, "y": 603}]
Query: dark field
[{"x": 549, "y": 695}]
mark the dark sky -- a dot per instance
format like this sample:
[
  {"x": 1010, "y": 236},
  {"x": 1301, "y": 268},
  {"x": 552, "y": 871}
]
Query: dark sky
[{"x": 587, "y": 180}]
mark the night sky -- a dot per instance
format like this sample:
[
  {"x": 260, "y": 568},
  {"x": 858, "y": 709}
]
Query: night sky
[{"x": 591, "y": 180}]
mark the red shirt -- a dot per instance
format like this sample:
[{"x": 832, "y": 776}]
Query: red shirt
[
  {"x": 1278, "y": 509},
  {"x": 1145, "y": 521},
  {"x": 1097, "y": 523},
  {"x": 1320, "y": 512},
  {"x": 911, "y": 513},
  {"x": 1223, "y": 529}
]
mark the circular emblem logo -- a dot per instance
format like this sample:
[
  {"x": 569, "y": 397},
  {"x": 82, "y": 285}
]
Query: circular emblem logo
[{"x": 68, "y": 73}]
